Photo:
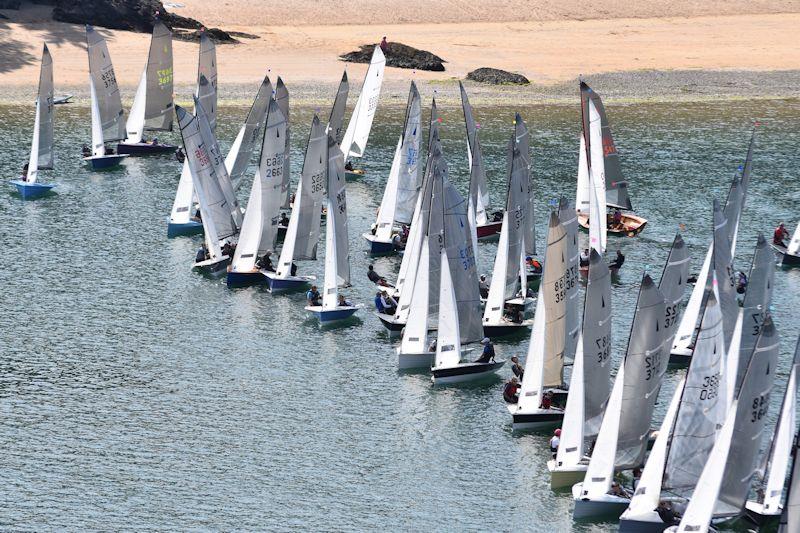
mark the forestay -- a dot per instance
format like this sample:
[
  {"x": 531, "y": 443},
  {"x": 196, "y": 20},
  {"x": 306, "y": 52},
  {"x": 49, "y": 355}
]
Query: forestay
[
  {"x": 355, "y": 137},
  {"x": 104, "y": 83}
]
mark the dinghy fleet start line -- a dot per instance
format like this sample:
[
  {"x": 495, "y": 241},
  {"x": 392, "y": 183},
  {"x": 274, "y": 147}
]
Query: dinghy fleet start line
[{"x": 703, "y": 461}]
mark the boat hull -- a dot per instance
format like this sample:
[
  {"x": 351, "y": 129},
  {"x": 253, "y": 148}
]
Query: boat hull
[
  {"x": 464, "y": 373},
  {"x": 680, "y": 358},
  {"x": 564, "y": 478},
  {"x": 538, "y": 419},
  {"x": 377, "y": 246},
  {"x": 214, "y": 268},
  {"x": 145, "y": 148},
  {"x": 407, "y": 361},
  {"x": 755, "y": 513},
  {"x": 605, "y": 506},
  {"x": 30, "y": 191},
  {"x": 330, "y": 316},
  {"x": 176, "y": 229},
  {"x": 489, "y": 230},
  {"x": 634, "y": 225},
  {"x": 506, "y": 329},
  {"x": 104, "y": 162},
  {"x": 649, "y": 523},
  {"x": 245, "y": 279},
  {"x": 389, "y": 322},
  {"x": 289, "y": 284}
]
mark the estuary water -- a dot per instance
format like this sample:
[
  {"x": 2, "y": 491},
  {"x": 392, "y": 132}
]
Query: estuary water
[{"x": 135, "y": 394}]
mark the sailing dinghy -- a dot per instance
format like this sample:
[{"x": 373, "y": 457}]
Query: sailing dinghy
[
  {"x": 545, "y": 359},
  {"x": 403, "y": 184},
  {"x": 790, "y": 255},
  {"x": 478, "y": 190},
  {"x": 776, "y": 460},
  {"x": 335, "y": 307},
  {"x": 302, "y": 234},
  {"x": 509, "y": 265},
  {"x": 260, "y": 226},
  {"x": 354, "y": 142},
  {"x": 152, "y": 106},
  {"x": 603, "y": 161},
  {"x": 41, "y": 157},
  {"x": 107, "y": 114}
]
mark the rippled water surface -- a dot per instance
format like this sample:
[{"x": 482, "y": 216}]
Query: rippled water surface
[{"x": 134, "y": 393}]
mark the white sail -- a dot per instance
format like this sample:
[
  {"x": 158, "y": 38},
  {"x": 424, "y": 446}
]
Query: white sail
[
  {"x": 683, "y": 336},
  {"x": 207, "y": 79},
  {"x": 270, "y": 172},
  {"x": 336, "y": 191},
  {"x": 532, "y": 387},
  {"x": 98, "y": 145},
  {"x": 568, "y": 218},
  {"x": 135, "y": 124},
  {"x": 282, "y": 97},
  {"x": 790, "y": 517},
  {"x": 478, "y": 190},
  {"x": 495, "y": 303},
  {"x": 330, "y": 287},
  {"x": 582, "y": 193},
  {"x": 386, "y": 211},
  {"x": 597, "y": 184},
  {"x": 794, "y": 245},
  {"x": 33, "y": 160},
  {"x": 570, "y": 447},
  {"x": 241, "y": 153},
  {"x": 415, "y": 334},
  {"x": 673, "y": 285},
  {"x": 244, "y": 258},
  {"x": 448, "y": 342},
  {"x": 409, "y": 177},
  {"x": 42, "y": 142},
  {"x": 111, "y": 117},
  {"x": 355, "y": 137}
]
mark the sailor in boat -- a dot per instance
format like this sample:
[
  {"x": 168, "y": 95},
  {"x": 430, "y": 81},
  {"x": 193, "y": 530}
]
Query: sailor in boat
[
  {"x": 547, "y": 400},
  {"x": 86, "y": 151},
  {"x": 313, "y": 296},
  {"x": 344, "y": 302},
  {"x": 432, "y": 345},
  {"x": 584, "y": 260},
  {"x": 618, "y": 490},
  {"x": 483, "y": 287},
  {"x": 398, "y": 243},
  {"x": 347, "y": 166},
  {"x": 487, "y": 356},
  {"x": 534, "y": 266},
  {"x": 497, "y": 216},
  {"x": 780, "y": 234},
  {"x": 667, "y": 513},
  {"x": 384, "y": 47},
  {"x": 228, "y": 249},
  {"x": 284, "y": 220},
  {"x": 618, "y": 261},
  {"x": 616, "y": 220},
  {"x": 511, "y": 391},
  {"x": 24, "y": 175},
  {"x": 265, "y": 263},
  {"x": 517, "y": 368},
  {"x": 198, "y": 216},
  {"x": 376, "y": 278},
  {"x": 388, "y": 303},
  {"x": 741, "y": 282},
  {"x": 555, "y": 440},
  {"x": 179, "y": 155},
  {"x": 513, "y": 314},
  {"x": 202, "y": 254}
]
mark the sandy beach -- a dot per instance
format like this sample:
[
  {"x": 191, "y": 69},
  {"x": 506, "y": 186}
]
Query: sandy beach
[{"x": 548, "y": 42}]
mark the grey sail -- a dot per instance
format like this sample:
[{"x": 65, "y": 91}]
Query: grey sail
[
  {"x": 524, "y": 144},
  {"x": 410, "y": 179},
  {"x": 756, "y": 303},
  {"x": 790, "y": 517},
  {"x": 336, "y": 119},
  {"x": 554, "y": 292},
  {"x": 337, "y": 198},
  {"x": 207, "y": 79},
  {"x": 158, "y": 106},
  {"x": 463, "y": 270},
  {"x": 251, "y": 132},
  {"x": 223, "y": 180},
  {"x": 645, "y": 365},
  {"x": 213, "y": 205},
  {"x": 568, "y": 218},
  {"x": 435, "y": 229},
  {"x": 748, "y": 428},
  {"x": 312, "y": 192},
  {"x": 747, "y": 168},
  {"x": 478, "y": 190},
  {"x": 270, "y": 172},
  {"x": 282, "y": 97},
  {"x": 45, "y": 101},
  {"x": 516, "y": 202},
  {"x": 722, "y": 263},
  {"x": 596, "y": 339},
  {"x": 702, "y": 409},
  {"x": 101, "y": 71},
  {"x": 673, "y": 285}
]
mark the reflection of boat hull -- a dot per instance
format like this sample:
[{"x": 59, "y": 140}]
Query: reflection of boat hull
[
  {"x": 377, "y": 246},
  {"x": 535, "y": 420},
  {"x": 489, "y": 230},
  {"x": 465, "y": 372},
  {"x": 634, "y": 224},
  {"x": 354, "y": 174},
  {"x": 245, "y": 279},
  {"x": 103, "y": 162},
  {"x": 175, "y": 229},
  {"x": 29, "y": 191},
  {"x": 213, "y": 267},
  {"x": 562, "y": 478},
  {"x": 606, "y": 505},
  {"x": 145, "y": 148},
  {"x": 787, "y": 260},
  {"x": 287, "y": 284},
  {"x": 329, "y": 316}
]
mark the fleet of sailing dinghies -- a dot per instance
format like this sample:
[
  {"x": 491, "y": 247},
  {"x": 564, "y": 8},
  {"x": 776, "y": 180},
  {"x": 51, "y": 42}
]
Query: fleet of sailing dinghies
[
  {"x": 152, "y": 108},
  {"x": 354, "y": 142},
  {"x": 183, "y": 219},
  {"x": 41, "y": 156},
  {"x": 600, "y": 175},
  {"x": 403, "y": 184},
  {"x": 108, "y": 118},
  {"x": 790, "y": 255}
]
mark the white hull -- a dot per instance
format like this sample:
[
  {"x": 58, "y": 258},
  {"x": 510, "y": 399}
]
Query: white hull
[
  {"x": 562, "y": 478},
  {"x": 406, "y": 361},
  {"x": 466, "y": 373},
  {"x": 606, "y": 506},
  {"x": 537, "y": 419}
]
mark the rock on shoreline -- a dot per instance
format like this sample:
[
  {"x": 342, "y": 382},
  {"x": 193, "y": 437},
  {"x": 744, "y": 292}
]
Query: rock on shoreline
[
  {"x": 398, "y": 55},
  {"x": 497, "y": 77}
]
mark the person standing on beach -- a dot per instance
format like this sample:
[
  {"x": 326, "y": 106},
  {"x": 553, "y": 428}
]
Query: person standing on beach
[{"x": 384, "y": 45}]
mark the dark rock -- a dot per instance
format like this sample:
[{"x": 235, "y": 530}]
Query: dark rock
[
  {"x": 398, "y": 55},
  {"x": 10, "y": 4},
  {"x": 243, "y": 35},
  {"x": 217, "y": 35},
  {"x": 497, "y": 77},
  {"x": 132, "y": 15}
]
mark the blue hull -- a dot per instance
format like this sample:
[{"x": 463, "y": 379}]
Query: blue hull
[
  {"x": 245, "y": 279},
  {"x": 326, "y": 317},
  {"x": 145, "y": 149},
  {"x": 104, "y": 162},
  {"x": 29, "y": 191},
  {"x": 380, "y": 247},
  {"x": 286, "y": 285},
  {"x": 190, "y": 228}
]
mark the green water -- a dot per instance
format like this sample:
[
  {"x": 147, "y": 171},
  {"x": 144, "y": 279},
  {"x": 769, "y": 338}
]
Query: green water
[{"x": 134, "y": 393}]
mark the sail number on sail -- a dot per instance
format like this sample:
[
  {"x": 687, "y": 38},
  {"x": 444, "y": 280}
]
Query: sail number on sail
[
  {"x": 466, "y": 257},
  {"x": 652, "y": 365},
  {"x": 710, "y": 388},
  {"x": 760, "y": 407},
  {"x": 274, "y": 166},
  {"x": 604, "y": 348},
  {"x": 109, "y": 79},
  {"x": 671, "y": 316},
  {"x": 164, "y": 76},
  {"x": 317, "y": 183}
]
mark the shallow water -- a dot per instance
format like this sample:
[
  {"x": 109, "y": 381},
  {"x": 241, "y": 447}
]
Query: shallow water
[{"x": 136, "y": 394}]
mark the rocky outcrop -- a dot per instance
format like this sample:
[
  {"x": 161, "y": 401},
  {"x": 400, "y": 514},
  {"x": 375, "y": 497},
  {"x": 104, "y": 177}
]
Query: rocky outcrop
[
  {"x": 132, "y": 15},
  {"x": 496, "y": 76},
  {"x": 398, "y": 55},
  {"x": 10, "y": 4},
  {"x": 217, "y": 35}
]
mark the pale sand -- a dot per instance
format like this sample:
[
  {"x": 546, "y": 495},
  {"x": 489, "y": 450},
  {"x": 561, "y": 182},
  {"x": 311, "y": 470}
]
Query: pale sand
[{"x": 549, "y": 52}]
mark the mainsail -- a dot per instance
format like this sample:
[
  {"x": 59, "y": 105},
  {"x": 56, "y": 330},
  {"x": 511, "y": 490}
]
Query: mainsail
[
  {"x": 282, "y": 97},
  {"x": 336, "y": 119},
  {"x": 270, "y": 173},
  {"x": 42, "y": 143},
  {"x": 152, "y": 105},
  {"x": 104, "y": 83},
  {"x": 478, "y": 190},
  {"x": 568, "y": 218},
  {"x": 207, "y": 79},
  {"x": 355, "y": 137},
  {"x": 337, "y": 211},
  {"x": 241, "y": 153}
]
